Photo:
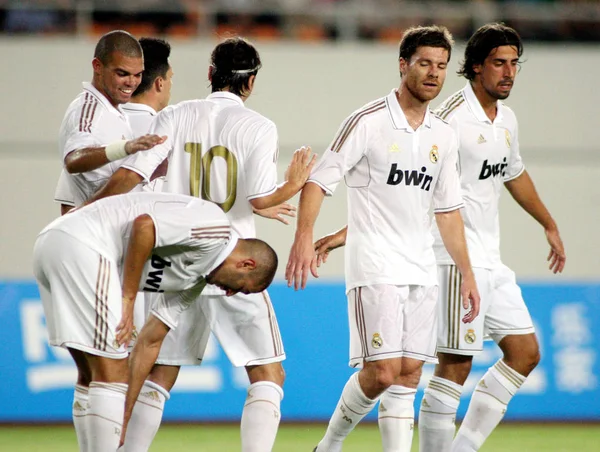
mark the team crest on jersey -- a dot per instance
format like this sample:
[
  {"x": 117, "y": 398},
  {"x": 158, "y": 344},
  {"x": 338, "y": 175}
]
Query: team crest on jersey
[
  {"x": 470, "y": 336},
  {"x": 434, "y": 156},
  {"x": 376, "y": 342},
  {"x": 507, "y": 138}
]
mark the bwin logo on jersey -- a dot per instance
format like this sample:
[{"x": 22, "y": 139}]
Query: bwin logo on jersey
[
  {"x": 410, "y": 177},
  {"x": 494, "y": 170},
  {"x": 155, "y": 277}
]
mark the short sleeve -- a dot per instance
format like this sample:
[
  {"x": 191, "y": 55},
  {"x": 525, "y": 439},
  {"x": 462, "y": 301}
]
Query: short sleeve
[
  {"x": 515, "y": 163},
  {"x": 198, "y": 224},
  {"x": 80, "y": 128},
  {"x": 447, "y": 192},
  {"x": 145, "y": 162},
  {"x": 63, "y": 193},
  {"x": 262, "y": 165},
  {"x": 344, "y": 152}
]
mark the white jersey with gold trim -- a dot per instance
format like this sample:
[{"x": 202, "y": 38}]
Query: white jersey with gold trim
[
  {"x": 90, "y": 121},
  {"x": 192, "y": 236},
  {"x": 488, "y": 155},
  {"x": 395, "y": 175},
  {"x": 218, "y": 150}
]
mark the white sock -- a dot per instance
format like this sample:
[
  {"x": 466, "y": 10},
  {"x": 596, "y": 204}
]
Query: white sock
[
  {"x": 487, "y": 407},
  {"x": 351, "y": 408},
  {"x": 105, "y": 415},
  {"x": 438, "y": 414},
  {"x": 80, "y": 410},
  {"x": 146, "y": 417},
  {"x": 397, "y": 418},
  {"x": 261, "y": 415}
]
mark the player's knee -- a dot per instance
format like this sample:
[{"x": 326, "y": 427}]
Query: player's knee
[
  {"x": 384, "y": 375},
  {"x": 272, "y": 372},
  {"x": 455, "y": 368}
]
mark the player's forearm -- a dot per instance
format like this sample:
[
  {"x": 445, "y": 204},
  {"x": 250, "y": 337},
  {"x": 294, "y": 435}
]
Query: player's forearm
[
  {"x": 139, "y": 248},
  {"x": 122, "y": 181},
  {"x": 144, "y": 355},
  {"x": 283, "y": 193},
  {"x": 452, "y": 230},
  {"x": 523, "y": 191},
  {"x": 308, "y": 209},
  {"x": 84, "y": 160}
]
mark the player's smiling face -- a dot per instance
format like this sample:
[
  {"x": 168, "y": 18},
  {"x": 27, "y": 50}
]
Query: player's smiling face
[
  {"x": 119, "y": 78},
  {"x": 497, "y": 73},
  {"x": 425, "y": 73}
]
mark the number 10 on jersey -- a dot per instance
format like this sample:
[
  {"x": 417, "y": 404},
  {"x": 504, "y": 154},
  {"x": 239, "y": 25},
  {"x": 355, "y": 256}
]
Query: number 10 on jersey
[{"x": 200, "y": 171}]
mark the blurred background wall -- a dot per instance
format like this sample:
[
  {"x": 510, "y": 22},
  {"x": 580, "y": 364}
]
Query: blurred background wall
[{"x": 321, "y": 60}]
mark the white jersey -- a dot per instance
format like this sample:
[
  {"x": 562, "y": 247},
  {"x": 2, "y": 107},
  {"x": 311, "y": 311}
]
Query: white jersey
[
  {"x": 140, "y": 117},
  {"x": 218, "y": 150},
  {"x": 488, "y": 157},
  {"x": 394, "y": 176},
  {"x": 90, "y": 121},
  {"x": 193, "y": 236}
]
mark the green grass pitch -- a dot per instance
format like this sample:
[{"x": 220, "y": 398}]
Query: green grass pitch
[{"x": 302, "y": 438}]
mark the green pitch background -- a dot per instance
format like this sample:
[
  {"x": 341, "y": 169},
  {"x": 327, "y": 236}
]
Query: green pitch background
[{"x": 302, "y": 438}]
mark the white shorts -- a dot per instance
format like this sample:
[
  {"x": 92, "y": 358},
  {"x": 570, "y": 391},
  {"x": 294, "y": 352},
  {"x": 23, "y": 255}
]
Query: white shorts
[
  {"x": 503, "y": 311},
  {"x": 392, "y": 321},
  {"x": 245, "y": 326},
  {"x": 81, "y": 295}
]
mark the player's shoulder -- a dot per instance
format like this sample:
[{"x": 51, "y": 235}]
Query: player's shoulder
[
  {"x": 452, "y": 106},
  {"x": 370, "y": 110},
  {"x": 508, "y": 113}
]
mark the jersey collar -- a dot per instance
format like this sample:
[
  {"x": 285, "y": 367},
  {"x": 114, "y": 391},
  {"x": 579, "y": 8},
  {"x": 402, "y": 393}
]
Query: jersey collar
[
  {"x": 226, "y": 95},
  {"x": 476, "y": 107},
  {"x": 397, "y": 115},
  {"x": 101, "y": 97},
  {"x": 134, "y": 106},
  {"x": 226, "y": 252}
]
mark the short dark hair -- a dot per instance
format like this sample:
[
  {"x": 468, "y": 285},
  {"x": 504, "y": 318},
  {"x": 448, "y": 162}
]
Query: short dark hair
[
  {"x": 431, "y": 36},
  {"x": 483, "y": 41},
  {"x": 266, "y": 262},
  {"x": 117, "y": 41},
  {"x": 156, "y": 62},
  {"x": 232, "y": 63}
]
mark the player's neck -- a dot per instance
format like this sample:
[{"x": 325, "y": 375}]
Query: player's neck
[
  {"x": 413, "y": 108},
  {"x": 147, "y": 100},
  {"x": 96, "y": 85},
  {"x": 487, "y": 102}
]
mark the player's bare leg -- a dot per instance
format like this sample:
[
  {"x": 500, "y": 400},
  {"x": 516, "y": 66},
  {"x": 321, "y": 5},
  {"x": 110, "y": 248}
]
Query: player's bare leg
[
  {"x": 440, "y": 402},
  {"x": 495, "y": 390},
  {"x": 80, "y": 398},
  {"x": 396, "y": 408},
  {"x": 106, "y": 402},
  {"x": 359, "y": 396},
  {"x": 148, "y": 411},
  {"x": 261, "y": 414}
]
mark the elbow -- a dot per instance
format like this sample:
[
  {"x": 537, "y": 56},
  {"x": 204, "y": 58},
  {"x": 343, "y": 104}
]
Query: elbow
[
  {"x": 260, "y": 203},
  {"x": 71, "y": 165}
]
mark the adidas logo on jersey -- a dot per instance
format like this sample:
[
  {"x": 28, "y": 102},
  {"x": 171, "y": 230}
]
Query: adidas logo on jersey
[
  {"x": 481, "y": 139},
  {"x": 410, "y": 177},
  {"x": 492, "y": 170},
  {"x": 394, "y": 148}
]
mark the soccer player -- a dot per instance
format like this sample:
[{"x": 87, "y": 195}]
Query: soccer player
[
  {"x": 159, "y": 243},
  {"x": 93, "y": 142},
  {"x": 398, "y": 161},
  {"x": 225, "y": 153},
  {"x": 489, "y": 159}
]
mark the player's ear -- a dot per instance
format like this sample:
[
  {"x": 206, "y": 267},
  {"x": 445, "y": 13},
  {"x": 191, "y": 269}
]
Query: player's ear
[
  {"x": 210, "y": 73},
  {"x": 97, "y": 65},
  {"x": 248, "y": 264},
  {"x": 251, "y": 83},
  {"x": 159, "y": 84}
]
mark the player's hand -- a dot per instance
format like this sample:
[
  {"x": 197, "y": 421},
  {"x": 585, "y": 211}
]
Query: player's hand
[
  {"x": 470, "y": 298},
  {"x": 328, "y": 243},
  {"x": 143, "y": 143},
  {"x": 300, "y": 167},
  {"x": 557, "y": 256},
  {"x": 302, "y": 259},
  {"x": 276, "y": 212},
  {"x": 125, "y": 329}
]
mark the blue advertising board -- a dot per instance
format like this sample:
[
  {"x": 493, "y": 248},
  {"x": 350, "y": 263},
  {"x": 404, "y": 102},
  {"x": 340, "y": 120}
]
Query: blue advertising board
[{"x": 38, "y": 379}]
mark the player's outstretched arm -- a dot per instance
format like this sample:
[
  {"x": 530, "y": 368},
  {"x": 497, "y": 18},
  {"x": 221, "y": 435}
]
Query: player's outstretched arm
[
  {"x": 524, "y": 192},
  {"x": 277, "y": 212},
  {"x": 141, "y": 243},
  {"x": 89, "y": 159},
  {"x": 295, "y": 177},
  {"x": 141, "y": 361},
  {"x": 328, "y": 243},
  {"x": 302, "y": 254},
  {"x": 122, "y": 181},
  {"x": 452, "y": 230}
]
